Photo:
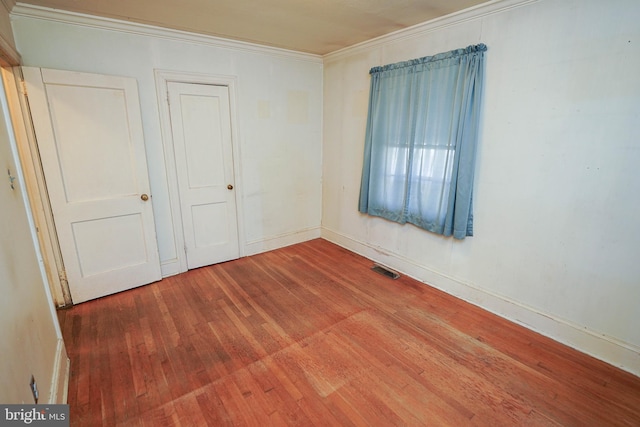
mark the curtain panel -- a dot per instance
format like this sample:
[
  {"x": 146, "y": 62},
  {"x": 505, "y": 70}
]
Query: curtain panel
[{"x": 420, "y": 143}]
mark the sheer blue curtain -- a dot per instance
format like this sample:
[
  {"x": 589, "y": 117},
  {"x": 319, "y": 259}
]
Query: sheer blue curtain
[{"x": 420, "y": 145}]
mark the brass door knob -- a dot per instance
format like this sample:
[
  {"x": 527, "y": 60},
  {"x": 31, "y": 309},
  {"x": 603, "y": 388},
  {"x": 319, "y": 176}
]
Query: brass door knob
[
  {"x": 229, "y": 187},
  {"x": 144, "y": 197}
]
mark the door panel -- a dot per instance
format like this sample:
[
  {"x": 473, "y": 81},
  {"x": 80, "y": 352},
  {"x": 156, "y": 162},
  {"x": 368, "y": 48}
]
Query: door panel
[
  {"x": 73, "y": 118},
  {"x": 113, "y": 252},
  {"x": 89, "y": 134},
  {"x": 201, "y": 130}
]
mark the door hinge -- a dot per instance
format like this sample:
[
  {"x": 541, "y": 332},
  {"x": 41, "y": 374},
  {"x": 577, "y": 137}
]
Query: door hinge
[
  {"x": 23, "y": 87},
  {"x": 63, "y": 277}
]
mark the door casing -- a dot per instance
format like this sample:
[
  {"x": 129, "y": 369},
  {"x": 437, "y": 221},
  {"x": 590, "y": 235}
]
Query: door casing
[{"x": 36, "y": 187}]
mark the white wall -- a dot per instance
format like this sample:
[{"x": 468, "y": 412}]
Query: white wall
[
  {"x": 278, "y": 113},
  {"x": 31, "y": 341},
  {"x": 557, "y": 235}
]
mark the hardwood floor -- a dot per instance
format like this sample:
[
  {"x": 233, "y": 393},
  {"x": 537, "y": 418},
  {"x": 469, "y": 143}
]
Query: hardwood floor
[{"x": 309, "y": 335}]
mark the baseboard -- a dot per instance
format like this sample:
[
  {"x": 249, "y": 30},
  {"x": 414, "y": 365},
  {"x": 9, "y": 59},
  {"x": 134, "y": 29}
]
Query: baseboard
[
  {"x": 280, "y": 241},
  {"x": 60, "y": 378},
  {"x": 608, "y": 349},
  {"x": 172, "y": 267}
]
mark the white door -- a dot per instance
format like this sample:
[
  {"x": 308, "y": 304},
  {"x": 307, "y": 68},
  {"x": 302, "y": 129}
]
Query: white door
[
  {"x": 201, "y": 130},
  {"x": 89, "y": 133}
]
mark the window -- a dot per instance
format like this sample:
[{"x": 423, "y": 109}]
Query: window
[{"x": 421, "y": 141}]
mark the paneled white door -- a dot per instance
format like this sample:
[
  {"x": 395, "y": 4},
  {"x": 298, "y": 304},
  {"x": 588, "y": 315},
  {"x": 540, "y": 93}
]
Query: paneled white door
[
  {"x": 201, "y": 132},
  {"x": 89, "y": 133}
]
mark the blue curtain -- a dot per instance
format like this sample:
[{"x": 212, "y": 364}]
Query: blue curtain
[{"x": 420, "y": 144}]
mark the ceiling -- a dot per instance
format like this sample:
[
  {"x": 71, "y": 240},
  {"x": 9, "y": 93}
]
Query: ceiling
[{"x": 312, "y": 26}]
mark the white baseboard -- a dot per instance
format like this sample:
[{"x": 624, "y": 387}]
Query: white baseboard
[
  {"x": 608, "y": 349},
  {"x": 60, "y": 378},
  {"x": 280, "y": 241},
  {"x": 172, "y": 267}
]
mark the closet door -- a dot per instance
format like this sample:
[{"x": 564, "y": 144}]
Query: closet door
[{"x": 201, "y": 133}]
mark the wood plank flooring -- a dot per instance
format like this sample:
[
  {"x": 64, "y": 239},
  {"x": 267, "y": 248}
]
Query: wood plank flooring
[{"x": 309, "y": 335}]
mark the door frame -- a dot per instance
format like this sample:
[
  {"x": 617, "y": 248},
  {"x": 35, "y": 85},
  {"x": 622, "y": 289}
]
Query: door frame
[
  {"x": 36, "y": 186},
  {"x": 162, "y": 78}
]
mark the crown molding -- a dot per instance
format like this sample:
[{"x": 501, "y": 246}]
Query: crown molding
[
  {"x": 470, "y": 14},
  {"x": 110, "y": 24}
]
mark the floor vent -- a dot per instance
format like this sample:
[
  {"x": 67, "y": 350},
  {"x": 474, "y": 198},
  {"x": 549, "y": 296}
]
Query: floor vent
[{"x": 385, "y": 271}]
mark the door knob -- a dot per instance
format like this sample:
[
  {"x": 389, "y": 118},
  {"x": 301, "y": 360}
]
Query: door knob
[
  {"x": 144, "y": 197},
  {"x": 229, "y": 187}
]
